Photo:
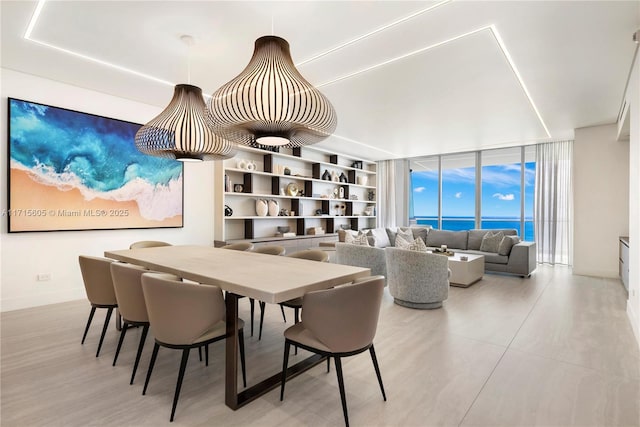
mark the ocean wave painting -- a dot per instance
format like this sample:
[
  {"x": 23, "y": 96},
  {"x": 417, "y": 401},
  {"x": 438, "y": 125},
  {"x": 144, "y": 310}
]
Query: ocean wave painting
[{"x": 75, "y": 171}]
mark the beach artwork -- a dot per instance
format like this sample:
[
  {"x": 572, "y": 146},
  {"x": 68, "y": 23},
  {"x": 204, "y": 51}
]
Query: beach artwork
[{"x": 77, "y": 171}]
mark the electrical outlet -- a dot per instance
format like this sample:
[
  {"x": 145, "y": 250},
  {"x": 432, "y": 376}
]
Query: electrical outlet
[{"x": 43, "y": 277}]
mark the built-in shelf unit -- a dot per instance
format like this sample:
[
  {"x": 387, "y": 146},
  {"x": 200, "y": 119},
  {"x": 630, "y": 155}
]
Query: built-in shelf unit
[{"x": 293, "y": 178}]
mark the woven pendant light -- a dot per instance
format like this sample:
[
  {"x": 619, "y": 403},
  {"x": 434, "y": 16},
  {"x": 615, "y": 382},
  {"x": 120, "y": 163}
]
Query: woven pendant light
[
  {"x": 270, "y": 103},
  {"x": 182, "y": 131}
]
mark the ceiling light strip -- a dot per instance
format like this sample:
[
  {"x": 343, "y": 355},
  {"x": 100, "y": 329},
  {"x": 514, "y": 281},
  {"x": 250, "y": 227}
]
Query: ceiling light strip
[
  {"x": 371, "y": 33},
  {"x": 370, "y": 147},
  {"x": 507, "y": 55},
  {"x": 31, "y": 26},
  {"x": 34, "y": 19},
  {"x": 398, "y": 58}
]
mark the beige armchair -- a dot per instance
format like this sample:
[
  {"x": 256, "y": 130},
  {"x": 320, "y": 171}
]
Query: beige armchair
[
  {"x": 96, "y": 275},
  {"x": 148, "y": 244},
  {"x": 337, "y": 323},
  {"x": 417, "y": 279},
  {"x": 185, "y": 316}
]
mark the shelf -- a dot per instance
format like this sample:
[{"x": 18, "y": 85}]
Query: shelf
[
  {"x": 278, "y": 196},
  {"x": 300, "y": 178},
  {"x": 274, "y": 238},
  {"x": 239, "y": 217}
]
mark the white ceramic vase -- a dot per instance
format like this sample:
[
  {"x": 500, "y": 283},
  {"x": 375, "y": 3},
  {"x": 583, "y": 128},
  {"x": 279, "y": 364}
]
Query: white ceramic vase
[
  {"x": 262, "y": 207},
  {"x": 241, "y": 164},
  {"x": 362, "y": 180},
  {"x": 274, "y": 208}
]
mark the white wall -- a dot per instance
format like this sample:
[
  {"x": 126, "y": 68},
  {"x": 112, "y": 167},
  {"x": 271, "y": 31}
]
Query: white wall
[
  {"x": 633, "y": 98},
  {"x": 601, "y": 201},
  {"x": 24, "y": 255}
]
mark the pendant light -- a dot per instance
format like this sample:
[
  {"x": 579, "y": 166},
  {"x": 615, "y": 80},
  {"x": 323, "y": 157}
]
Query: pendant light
[
  {"x": 270, "y": 103},
  {"x": 183, "y": 131}
]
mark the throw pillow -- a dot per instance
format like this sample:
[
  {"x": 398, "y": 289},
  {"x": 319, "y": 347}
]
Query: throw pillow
[
  {"x": 360, "y": 239},
  {"x": 391, "y": 233},
  {"x": 506, "y": 244},
  {"x": 412, "y": 245},
  {"x": 402, "y": 242},
  {"x": 406, "y": 234},
  {"x": 381, "y": 237},
  {"x": 491, "y": 242}
]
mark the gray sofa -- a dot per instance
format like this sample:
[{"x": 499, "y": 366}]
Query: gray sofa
[{"x": 519, "y": 260}]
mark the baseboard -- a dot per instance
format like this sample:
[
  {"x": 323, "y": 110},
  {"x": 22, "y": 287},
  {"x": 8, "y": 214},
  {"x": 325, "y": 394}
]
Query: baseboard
[
  {"x": 608, "y": 274},
  {"x": 10, "y": 304}
]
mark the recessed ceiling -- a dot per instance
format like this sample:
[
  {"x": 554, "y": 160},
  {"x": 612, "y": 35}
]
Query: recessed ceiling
[{"x": 406, "y": 78}]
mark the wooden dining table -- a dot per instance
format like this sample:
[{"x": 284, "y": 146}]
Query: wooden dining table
[{"x": 267, "y": 278}]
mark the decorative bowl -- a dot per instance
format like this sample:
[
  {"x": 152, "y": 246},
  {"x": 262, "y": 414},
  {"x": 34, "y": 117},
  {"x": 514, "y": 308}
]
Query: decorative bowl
[{"x": 283, "y": 229}]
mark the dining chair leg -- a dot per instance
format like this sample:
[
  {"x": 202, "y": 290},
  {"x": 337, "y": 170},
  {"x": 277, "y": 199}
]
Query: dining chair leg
[
  {"x": 285, "y": 361},
  {"x": 183, "y": 366},
  {"x": 123, "y": 331},
  {"x": 86, "y": 329},
  {"x": 377, "y": 368},
  {"x": 104, "y": 329},
  {"x": 200, "y": 353},
  {"x": 296, "y": 314},
  {"x": 252, "y": 303},
  {"x": 343, "y": 398},
  {"x": 206, "y": 355},
  {"x": 262, "y": 307},
  {"x": 328, "y": 364},
  {"x": 284, "y": 317},
  {"x": 143, "y": 338},
  {"x": 156, "y": 347},
  {"x": 242, "y": 359}
]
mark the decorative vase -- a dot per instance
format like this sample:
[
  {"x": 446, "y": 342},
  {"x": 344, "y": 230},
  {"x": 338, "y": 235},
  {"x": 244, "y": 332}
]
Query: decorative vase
[
  {"x": 274, "y": 208},
  {"x": 341, "y": 192},
  {"x": 343, "y": 177},
  {"x": 242, "y": 164},
  {"x": 251, "y": 166},
  {"x": 326, "y": 175},
  {"x": 362, "y": 180},
  {"x": 262, "y": 207},
  {"x": 227, "y": 210},
  {"x": 287, "y": 171},
  {"x": 335, "y": 177}
]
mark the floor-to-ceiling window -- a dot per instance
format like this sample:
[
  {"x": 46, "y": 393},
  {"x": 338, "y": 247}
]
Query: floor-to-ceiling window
[
  {"x": 458, "y": 191},
  {"x": 488, "y": 189}
]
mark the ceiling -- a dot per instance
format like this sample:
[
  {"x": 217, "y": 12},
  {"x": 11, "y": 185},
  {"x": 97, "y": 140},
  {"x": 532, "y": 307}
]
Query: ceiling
[{"x": 406, "y": 78}]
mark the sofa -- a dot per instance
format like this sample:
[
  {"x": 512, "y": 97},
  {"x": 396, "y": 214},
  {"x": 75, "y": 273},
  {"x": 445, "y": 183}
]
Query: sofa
[{"x": 518, "y": 259}]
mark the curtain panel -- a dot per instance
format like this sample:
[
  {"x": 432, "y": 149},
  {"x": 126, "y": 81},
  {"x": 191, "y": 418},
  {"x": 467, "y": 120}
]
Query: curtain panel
[
  {"x": 393, "y": 193},
  {"x": 553, "y": 206}
]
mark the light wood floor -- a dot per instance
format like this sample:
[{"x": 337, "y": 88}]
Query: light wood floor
[{"x": 555, "y": 349}]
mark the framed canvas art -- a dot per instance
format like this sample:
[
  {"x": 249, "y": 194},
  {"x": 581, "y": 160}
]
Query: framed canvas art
[{"x": 77, "y": 171}]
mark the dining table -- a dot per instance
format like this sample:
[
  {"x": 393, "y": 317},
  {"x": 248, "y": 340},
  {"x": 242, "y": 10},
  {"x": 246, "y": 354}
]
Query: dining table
[{"x": 268, "y": 278}]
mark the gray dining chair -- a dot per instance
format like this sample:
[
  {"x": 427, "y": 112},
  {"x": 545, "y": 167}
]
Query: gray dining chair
[
  {"x": 96, "y": 275},
  {"x": 185, "y": 316},
  {"x": 337, "y": 323}
]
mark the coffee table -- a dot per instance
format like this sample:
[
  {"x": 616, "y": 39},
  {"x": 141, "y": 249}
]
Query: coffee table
[{"x": 465, "y": 273}]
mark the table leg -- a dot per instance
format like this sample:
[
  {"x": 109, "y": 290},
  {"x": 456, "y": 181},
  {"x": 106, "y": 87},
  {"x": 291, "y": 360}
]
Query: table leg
[
  {"x": 232, "y": 398},
  {"x": 231, "y": 352}
]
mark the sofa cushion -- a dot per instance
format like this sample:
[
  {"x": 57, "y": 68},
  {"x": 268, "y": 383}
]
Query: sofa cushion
[
  {"x": 381, "y": 237},
  {"x": 453, "y": 239},
  {"x": 491, "y": 241},
  {"x": 420, "y": 232},
  {"x": 490, "y": 257},
  {"x": 506, "y": 244},
  {"x": 391, "y": 234},
  {"x": 360, "y": 239}
]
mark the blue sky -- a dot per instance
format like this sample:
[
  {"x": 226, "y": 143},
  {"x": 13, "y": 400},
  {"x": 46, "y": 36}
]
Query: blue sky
[{"x": 501, "y": 193}]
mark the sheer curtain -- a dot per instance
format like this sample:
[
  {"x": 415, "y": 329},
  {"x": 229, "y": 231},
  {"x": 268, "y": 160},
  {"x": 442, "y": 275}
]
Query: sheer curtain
[
  {"x": 393, "y": 192},
  {"x": 554, "y": 202}
]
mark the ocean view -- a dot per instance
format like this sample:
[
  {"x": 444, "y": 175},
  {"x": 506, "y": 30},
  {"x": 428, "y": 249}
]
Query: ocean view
[{"x": 467, "y": 223}]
